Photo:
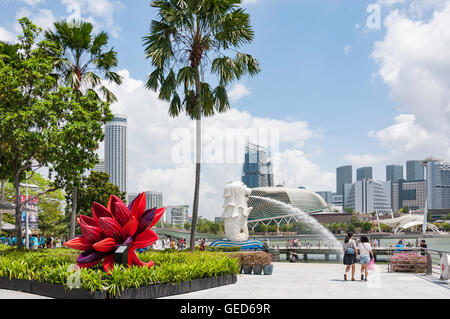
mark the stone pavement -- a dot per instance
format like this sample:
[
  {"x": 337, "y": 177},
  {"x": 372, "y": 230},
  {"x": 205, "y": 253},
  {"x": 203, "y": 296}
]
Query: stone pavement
[
  {"x": 314, "y": 281},
  {"x": 10, "y": 294}
]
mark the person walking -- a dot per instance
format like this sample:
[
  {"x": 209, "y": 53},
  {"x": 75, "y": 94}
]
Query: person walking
[
  {"x": 365, "y": 253},
  {"x": 350, "y": 255}
]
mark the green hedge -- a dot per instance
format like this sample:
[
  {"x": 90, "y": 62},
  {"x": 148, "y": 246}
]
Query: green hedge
[{"x": 52, "y": 266}]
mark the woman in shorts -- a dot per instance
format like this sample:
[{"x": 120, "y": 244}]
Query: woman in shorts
[{"x": 365, "y": 253}]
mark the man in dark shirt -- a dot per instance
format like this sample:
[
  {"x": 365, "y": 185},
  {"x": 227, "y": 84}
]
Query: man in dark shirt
[{"x": 423, "y": 244}]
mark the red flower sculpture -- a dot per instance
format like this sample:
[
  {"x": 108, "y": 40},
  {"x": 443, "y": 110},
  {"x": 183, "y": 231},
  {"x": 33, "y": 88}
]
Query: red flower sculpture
[{"x": 112, "y": 227}]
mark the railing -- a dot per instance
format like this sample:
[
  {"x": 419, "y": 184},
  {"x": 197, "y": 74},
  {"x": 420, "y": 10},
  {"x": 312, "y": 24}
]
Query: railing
[
  {"x": 432, "y": 266},
  {"x": 433, "y": 260}
]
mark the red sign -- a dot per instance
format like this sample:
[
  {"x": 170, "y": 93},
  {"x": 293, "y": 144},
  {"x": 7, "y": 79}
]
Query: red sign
[{"x": 34, "y": 201}]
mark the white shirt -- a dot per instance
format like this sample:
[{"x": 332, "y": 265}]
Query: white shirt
[{"x": 364, "y": 249}]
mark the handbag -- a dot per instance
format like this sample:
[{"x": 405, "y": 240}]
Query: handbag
[
  {"x": 350, "y": 251},
  {"x": 372, "y": 265}
]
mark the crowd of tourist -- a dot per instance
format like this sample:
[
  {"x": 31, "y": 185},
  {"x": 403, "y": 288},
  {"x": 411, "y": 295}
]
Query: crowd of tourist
[{"x": 35, "y": 241}]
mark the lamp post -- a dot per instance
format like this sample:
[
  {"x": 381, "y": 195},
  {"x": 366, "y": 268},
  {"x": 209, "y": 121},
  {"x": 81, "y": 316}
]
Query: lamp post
[{"x": 27, "y": 225}]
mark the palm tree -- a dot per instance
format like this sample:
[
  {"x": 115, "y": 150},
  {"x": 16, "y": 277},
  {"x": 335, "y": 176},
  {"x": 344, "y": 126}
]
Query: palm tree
[
  {"x": 189, "y": 39},
  {"x": 83, "y": 65}
]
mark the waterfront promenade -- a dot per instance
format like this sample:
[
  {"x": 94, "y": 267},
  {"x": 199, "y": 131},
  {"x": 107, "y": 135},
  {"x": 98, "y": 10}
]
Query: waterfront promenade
[{"x": 316, "y": 281}]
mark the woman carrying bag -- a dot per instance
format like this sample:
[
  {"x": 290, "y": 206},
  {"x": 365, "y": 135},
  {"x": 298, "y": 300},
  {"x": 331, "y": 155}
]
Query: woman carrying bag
[
  {"x": 350, "y": 255},
  {"x": 365, "y": 252}
]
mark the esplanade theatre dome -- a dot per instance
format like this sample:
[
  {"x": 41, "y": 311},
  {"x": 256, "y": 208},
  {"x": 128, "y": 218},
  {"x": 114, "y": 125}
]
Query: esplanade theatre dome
[{"x": 307, "y": 201}]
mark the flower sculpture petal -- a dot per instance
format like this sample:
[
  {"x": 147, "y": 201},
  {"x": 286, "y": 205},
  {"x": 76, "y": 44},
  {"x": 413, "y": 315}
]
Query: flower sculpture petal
[{"x": 114, "y": 226}]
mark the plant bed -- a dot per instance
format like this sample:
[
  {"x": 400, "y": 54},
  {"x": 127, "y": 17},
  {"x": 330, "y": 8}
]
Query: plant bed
[
  {"x": 255, "y": 262},
  {"x": 409, "y": 262},
  {"x": 48, "y": 272},
  {"x": 159, "y": 291}
]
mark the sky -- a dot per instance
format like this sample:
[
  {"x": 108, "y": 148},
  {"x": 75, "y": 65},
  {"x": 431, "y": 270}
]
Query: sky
[{"x": 342, "y": 82}]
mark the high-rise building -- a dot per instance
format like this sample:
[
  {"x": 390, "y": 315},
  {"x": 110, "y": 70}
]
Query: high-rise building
[
  {"x": 327, "y": 197},
  {"x": 343, "y": 176},
  {"x": 368, "y": 196},
  {"x": 438, "y": 183},
  {"x": 414, "y": 171},
  {"x": 100, "y": 167},
  {"x": 394, "y": 172},
  {"x": 116, "y": 151},
  {"x": 408, "y": 194},
  {"x": 364, "y": 173},
  {"x": 152, "y": 199},
  {"x": 257, "y": 171},
  {"x": 176, "y": 215}
]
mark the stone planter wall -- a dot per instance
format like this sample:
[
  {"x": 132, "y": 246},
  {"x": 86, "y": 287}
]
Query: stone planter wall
[{"x": 147, "y": 292}]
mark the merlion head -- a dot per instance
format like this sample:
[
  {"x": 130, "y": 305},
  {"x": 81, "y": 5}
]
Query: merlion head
[{"x": 236, "y": 211}]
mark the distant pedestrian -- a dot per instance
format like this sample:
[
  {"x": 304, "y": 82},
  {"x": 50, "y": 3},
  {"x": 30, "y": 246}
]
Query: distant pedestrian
[
  {"x": 203, "y": 244},
  {"x": 423, "y": 244},
  {"x": 350, "y": 255},
  {"x": 365, "y": 252},
  {"x": 49, "y": 242}
]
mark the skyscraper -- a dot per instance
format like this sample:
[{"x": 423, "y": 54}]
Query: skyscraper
[
  {"x": 343, "y": 176},
  {"x": 368, "y": 196},
  {"x": 100, "y": 167},
  {"x": 394, "y": 172},
  {"x": 116, "y": 151},
  {"x": 152, "y": 199},
  {"x": 364, "y": 173},
  {"x": 438, "y": 183},
  {"x": 257, "y": 171},
  {"x": 414, "y": 171}
]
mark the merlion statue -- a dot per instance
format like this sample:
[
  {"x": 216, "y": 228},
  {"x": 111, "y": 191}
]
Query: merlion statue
[{"x": 236, "y": 211}]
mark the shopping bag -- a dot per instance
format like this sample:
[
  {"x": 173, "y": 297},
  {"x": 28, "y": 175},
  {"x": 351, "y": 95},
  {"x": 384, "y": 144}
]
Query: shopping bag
[{"x": 372, "y": 265}]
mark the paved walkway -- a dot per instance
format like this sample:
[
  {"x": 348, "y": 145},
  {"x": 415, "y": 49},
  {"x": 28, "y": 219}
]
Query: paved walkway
[
  {"x": 313, "y": 281},
  {"x": 10, "y": 294}
]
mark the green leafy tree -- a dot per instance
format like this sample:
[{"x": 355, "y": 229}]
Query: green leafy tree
[
  {"x": 94, "y": 188},
  {"x": 83, "y": 64},
  {"x": 263, "y": 228},
  {"x": 188, "y": 42},
  {"x": 42, "y": 125}
]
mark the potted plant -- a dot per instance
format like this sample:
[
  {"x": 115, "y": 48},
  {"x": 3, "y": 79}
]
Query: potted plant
[{"x": 267, "y": 264}]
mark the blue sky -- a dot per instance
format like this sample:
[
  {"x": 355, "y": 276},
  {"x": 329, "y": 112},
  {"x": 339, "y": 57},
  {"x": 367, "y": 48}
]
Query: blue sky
[{"x": 347, "y": 93}]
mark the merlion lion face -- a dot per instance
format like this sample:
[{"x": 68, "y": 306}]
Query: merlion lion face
[{"x": 236, "y": 211}]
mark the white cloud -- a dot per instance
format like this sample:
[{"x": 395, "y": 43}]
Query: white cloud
[
  {"x": 347, "y": 49},
  {"x": 365, "y": 159},
  {"x": 246, "y": 2},
  {"x": 150, "y": 146},
  {"x": 296, "y": 170},
  {"x": 238, "y": 91},
  {"x": 6, "y": 35},
  {"x": 414, "y": 61},
  {"x": 43, "y": 18},
  {"x": 99, "y": 12},
  {"x": 33, "y": 3}
]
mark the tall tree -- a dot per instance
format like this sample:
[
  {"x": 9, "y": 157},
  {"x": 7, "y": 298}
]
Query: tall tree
[
  {"x": 42, "y": 125},
  {"x": 96, "y": 188},
  {"x": 191, "y": 38},
  {"x": 84, "y": 63}
]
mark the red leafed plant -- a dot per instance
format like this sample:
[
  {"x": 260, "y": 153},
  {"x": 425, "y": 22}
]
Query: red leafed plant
[{"x": 112, "y": 227}]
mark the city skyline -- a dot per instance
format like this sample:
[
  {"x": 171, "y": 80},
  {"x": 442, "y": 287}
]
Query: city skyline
[{"x": 364, "y": 72}]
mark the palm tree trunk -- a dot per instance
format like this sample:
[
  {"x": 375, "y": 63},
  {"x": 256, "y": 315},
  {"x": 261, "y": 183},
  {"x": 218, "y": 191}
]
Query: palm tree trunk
[
  {"x": 3, "y": 190},
  {"x": 74, "y": 212},
  {"x": 198, "y": 142},
  {"x": 2, "y": 198},
  {"x": 19, "y": 233}
]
